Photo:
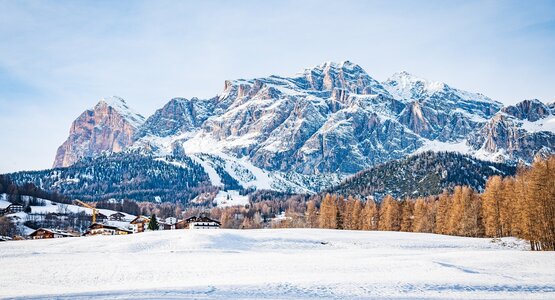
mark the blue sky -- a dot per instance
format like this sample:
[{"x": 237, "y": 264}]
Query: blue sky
[{"x": 57, "y": 58}]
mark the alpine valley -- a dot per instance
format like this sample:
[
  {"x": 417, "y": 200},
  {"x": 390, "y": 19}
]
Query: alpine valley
[{"x": 301, "y": 134}]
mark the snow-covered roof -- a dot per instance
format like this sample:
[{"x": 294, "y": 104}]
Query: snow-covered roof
[
  {"x": 4, "y": 204},
  {"x": 55, "y": 231}
]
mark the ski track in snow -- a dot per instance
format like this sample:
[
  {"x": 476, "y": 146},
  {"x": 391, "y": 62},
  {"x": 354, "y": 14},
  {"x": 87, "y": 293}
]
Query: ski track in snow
[{"x": 275, "y": 264}]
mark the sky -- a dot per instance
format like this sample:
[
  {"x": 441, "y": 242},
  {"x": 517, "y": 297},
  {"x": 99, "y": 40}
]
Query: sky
[{"x": 58, "y": 58}]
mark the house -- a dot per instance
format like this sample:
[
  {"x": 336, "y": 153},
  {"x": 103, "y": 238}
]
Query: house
[
  {"x": 47, "y": 233},
  {"x": 9, "y": 208},
  {"x": 172, "y": 223},
  {"x": 202, "y": 222},
  {"x": 100, "y": 217},
  {"x": 55, "y": 217},
  {"x": 117, "y": 217},
  {"x": 140, "y": 223},
  {"x": 105, "y": 229}
]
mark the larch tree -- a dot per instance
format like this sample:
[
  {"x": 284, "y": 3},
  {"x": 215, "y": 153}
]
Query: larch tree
[
  {"x": 370, "y": 215},
  {"x": 406, "y": 215},
  {"x": 328, "y": 212},
  {"x": 491, "y": 206},
  {"x": 390, "y": 214},
  {"x": 422, "y": 221},
  {"x": 311, "y": 214},
  {"x": 508, "y": 207},
  {"x": 443, "y": 207}
]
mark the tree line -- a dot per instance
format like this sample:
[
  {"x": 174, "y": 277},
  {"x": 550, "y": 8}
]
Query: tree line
[{"x": 522, "y": 206}]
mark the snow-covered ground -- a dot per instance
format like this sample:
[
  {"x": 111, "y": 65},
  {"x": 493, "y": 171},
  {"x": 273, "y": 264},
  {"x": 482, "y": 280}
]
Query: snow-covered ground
[
  {"x": 230, "y": 198},
  {"x": 272, "y": 263}
]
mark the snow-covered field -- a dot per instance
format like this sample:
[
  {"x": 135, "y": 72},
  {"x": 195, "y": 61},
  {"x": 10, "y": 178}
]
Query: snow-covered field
[{"x": 274, "y": 263}]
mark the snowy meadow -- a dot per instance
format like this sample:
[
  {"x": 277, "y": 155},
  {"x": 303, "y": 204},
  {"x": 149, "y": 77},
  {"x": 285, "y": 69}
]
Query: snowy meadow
[{"x": 275, "y": 263}]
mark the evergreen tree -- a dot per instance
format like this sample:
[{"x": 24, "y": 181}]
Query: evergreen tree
[{"x": 153, "y": 223}]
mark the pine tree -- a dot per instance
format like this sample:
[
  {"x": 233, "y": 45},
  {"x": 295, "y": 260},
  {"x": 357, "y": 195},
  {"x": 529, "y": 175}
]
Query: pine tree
[{"x": 153, "y": 223}]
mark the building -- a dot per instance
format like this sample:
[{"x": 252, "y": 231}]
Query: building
[
  {"x": 140, "y": 223},
  {"x": 172, "y": 223},
  {"x": 9, "y": 208},
  {"x": 100, "y": 217},
  {"x": 117, "y": 217},
  {"x": 5, "y": 238},
  {"x": 104, "y": 229},
  {"x": 47, "y": 233},
  {"x": 202, "y": 222}
]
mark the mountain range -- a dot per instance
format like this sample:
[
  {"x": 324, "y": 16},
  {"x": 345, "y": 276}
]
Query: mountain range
[{"x": 310, "y": 131}]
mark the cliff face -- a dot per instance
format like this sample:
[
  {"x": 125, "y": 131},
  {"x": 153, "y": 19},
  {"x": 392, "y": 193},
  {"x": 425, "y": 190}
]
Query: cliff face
[
  {"x": 309, "y": 130},
  {"x": 517, "y": 132},
  {"x": 109, "y": 126}
]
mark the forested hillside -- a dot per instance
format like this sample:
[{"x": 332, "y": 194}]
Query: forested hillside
[
  {"x": 123, "y": 176},
  {"x": 424, "y": 174}
]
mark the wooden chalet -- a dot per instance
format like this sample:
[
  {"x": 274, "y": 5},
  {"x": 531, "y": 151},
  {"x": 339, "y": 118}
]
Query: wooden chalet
[
  {"x": 117, "y": 217},
  {"x": 140, "y": 223},
  {"x": 9, "y": 208},
  {"x": 172, "y": 223},
  {"x": 104, "y": 229},
  {"x": 100, "y": 217},
  {"x": 47, "y": 233},
  {"x": 202, "y": 222}
]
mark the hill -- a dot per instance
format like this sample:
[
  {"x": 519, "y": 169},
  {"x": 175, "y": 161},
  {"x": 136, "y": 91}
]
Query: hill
[
  {"x": 424, "y": 174},
  {"x": 122, "y": 176}
]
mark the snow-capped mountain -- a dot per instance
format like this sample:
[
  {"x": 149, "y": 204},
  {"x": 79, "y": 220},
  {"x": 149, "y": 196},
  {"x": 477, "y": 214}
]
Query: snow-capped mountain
[
  {"x": 109, "y": 126},
  {"x": 437, "y": 111},
  {"x": 310, "y": 130},
  {"x": 519, "y": 131}
]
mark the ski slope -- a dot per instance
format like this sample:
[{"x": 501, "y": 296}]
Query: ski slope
[{"x": 275, "y": 263}]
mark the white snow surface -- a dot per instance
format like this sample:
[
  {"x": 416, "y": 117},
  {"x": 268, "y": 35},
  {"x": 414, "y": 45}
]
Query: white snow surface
[
  {"x": 546, "y": 124},
  {"x": 276, "y": 264},
  {"x": 438, "y": 146},
  {"x": 129, "y": 114},
  {"x": 230, "y": 198}
]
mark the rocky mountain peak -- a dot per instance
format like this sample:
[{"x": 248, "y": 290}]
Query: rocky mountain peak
[
  {"x": 343, "y": 75},
  {"x": 404, "y": 85},
  {"x": 178, "y": 116},
  {"x": 108, "y": 127},
  {"x": 531, "y": 110},
  {"x": 122, "y": 108}
]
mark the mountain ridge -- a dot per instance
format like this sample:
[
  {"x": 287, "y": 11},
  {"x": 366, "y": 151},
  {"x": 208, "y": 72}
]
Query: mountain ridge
[{"x": 311, "y": 130}]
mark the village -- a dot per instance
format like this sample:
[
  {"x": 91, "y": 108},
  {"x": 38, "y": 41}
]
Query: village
[{"x": 53, "y": 216}]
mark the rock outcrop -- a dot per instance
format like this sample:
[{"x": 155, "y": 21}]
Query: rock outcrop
[{"x": 108, "y": 127}]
